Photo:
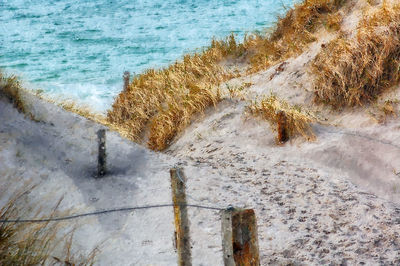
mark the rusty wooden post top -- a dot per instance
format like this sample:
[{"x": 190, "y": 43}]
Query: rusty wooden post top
[
  {"x": 240, "y": 241},
  {"x": 282, "y": 127},
  {"x": 101, "y": 160},
  {"x": 101, "y": 132},
  {"x": 126, "y": 77},
  {"x": 226, "y": 229},
  {"x": 178, "y": 172}
]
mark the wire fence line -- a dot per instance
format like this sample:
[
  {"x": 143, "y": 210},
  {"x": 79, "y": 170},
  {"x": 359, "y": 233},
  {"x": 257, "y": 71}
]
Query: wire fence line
[
  {"x": 114, "y": 210},
  {"x": 355, "y": 134},
  {"x": 130, "y": 209},
  {"x": 102, "y": 212}
]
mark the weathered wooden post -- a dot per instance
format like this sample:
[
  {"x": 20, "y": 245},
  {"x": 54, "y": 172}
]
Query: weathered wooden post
[
  {"x": 181, "y": 218},
  {"x": 126, "y": 77},
  {"x": 283, "y": 132},
  {"x": 239, "y": 237},
  {"x": 101, "y": 160}
]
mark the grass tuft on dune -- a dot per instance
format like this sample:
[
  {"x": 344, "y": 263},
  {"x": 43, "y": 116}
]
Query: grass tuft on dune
[
  {"x": 298, "y": 121},
  {"x": 34, "y": 243},
  {"x": 10, "y": 88},
  {"x": 293, "y": 32},
  {"x": 164, "y": 101}
]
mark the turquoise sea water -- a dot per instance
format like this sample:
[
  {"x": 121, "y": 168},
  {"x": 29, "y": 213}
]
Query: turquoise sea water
[{"x": 80, "y": 49}]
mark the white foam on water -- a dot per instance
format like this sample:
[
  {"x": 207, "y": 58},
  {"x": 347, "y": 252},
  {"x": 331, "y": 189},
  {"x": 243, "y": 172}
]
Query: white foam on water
[{"x": 97, "y": 97}]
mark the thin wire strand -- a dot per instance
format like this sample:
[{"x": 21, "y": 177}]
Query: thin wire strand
[
  {"x": 179, "y": 176},
  {"x": 361, "y": 136},
  {"x": 127, "y": 209}
]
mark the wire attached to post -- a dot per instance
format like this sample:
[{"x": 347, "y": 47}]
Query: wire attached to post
[{"x": 101, "y": 212}]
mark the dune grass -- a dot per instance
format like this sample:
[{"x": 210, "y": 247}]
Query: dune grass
[
  {"x": 293, "y": 32},
  {"x": 390, "y": 108},
  {"x": 80, "y": 109},
  {"x": 22, "y": 244},
  {"x": 354, "y": 70},
  {"x": 297, "y": 121},
  {"x": 384, "y": 110},
  {"x": 164, "y": 101},
  {"x": 158, "y": 104},
  {"x": 33, "y": 243},
  {"x": 10, "y": 88}
]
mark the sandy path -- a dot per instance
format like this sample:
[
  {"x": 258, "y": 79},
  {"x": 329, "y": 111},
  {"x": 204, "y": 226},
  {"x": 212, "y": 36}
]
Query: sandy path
[{"x": 308, "y": 212}]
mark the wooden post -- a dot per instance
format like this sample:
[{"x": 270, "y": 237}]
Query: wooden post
[
  {"x": 181, "y": 217},
  {"x": 101, "y": 162},
  {"x": 227, "y": 246},
  {"x": 283, "y": 132},
  {"x": 126, "y": 78},
  {"x": 239, "y": 237}
]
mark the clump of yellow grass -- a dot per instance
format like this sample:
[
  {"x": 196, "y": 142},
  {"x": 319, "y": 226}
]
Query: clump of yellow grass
[
  {"x": 10, "y": 88},
  {"x": 164, "y": 101},
  {"x": 33, "y": 243},
  {"x": 293, "y": 32},
  {"x": 80, "y": 109},
  {"x": 353, "y": 70},
  {"x": 390, "y": 107},
  {"x": 272, "y": 109}
]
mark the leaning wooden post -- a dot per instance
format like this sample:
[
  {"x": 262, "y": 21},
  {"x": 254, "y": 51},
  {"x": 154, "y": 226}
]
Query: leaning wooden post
[
  {"x": 239, "y": 237},
  {"x": 181, "y": 218},
  {"x": 126, "y": 77},
  {"x": 101, "y": 162},
  {"x": 283, "y": 132}
]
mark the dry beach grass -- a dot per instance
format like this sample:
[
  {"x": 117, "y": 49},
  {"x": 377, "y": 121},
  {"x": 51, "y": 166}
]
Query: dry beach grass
[
  {"x": 298, "y": 122},
  {"x": 10, "y": 88},
  {"x": 21, "y": 244},
  {"x": 353, "y": 70},
  {"x": 293, "y": 32},
  {"x": 34, "y": 243},
  {"x": 164, "y": 101}
]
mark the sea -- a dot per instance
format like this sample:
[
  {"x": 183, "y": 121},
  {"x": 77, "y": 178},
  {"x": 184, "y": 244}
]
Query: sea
[{"x": 78, "y": 50}]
